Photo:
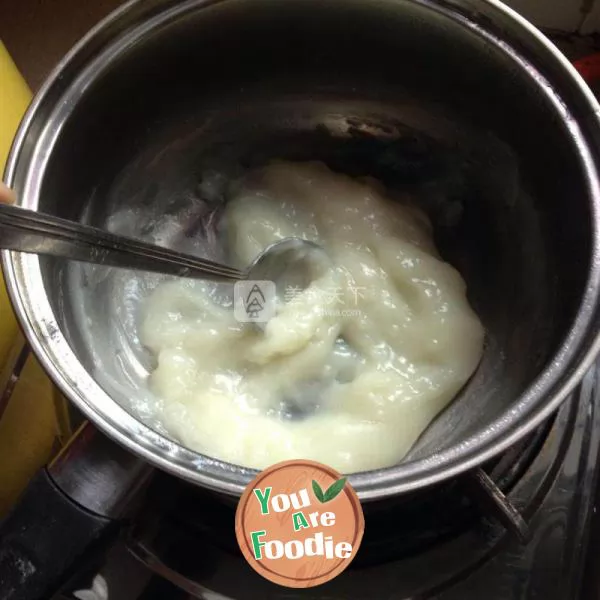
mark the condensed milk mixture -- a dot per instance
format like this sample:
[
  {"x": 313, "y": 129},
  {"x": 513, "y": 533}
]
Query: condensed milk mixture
[{"x": 351, "y": 370}]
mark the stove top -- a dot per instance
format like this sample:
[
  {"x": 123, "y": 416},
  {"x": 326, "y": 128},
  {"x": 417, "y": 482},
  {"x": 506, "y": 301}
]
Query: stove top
[{"x": 516, "y": 530}]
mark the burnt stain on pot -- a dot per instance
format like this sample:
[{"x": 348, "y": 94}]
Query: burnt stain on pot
[{"x": 50, "y": 329}]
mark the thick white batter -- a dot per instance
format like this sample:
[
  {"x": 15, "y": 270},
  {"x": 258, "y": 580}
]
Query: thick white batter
[{"x": 373, "y": 351}]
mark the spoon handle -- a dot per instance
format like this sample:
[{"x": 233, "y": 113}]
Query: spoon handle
[{"x": 28, "y": 231}]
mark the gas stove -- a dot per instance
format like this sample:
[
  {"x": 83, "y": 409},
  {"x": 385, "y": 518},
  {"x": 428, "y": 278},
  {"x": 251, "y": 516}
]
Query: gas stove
[{"x": 516, "y": 530}]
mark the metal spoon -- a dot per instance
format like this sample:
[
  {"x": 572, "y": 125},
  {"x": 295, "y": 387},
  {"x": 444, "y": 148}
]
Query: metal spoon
[
  {"x": 288, "y": 262},
  {"x": 292, "y": 261}
]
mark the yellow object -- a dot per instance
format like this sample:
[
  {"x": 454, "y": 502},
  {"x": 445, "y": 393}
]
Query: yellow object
[
  {"x": 29, "y": 425},
  {"x": 14, "y": 99}
]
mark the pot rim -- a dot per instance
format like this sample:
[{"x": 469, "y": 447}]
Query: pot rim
[{"x": 24, "y": 282}]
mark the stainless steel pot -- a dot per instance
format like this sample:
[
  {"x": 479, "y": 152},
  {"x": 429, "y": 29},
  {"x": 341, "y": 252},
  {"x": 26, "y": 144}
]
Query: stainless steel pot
[{"x": 461, "y": 103}]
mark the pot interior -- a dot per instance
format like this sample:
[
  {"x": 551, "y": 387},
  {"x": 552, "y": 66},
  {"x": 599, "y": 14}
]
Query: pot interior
[{"x": 403, "y": 91}]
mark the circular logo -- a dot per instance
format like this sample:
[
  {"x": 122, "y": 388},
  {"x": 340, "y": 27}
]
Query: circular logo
[{"x": 299, "y": 523}]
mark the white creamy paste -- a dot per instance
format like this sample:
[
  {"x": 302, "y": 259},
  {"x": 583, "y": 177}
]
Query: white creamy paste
[{"x": 380, "y": 345}]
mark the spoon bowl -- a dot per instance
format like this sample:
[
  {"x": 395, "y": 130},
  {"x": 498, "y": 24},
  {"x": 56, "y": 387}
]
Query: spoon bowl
[{"x": 291, "y": 264}]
